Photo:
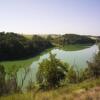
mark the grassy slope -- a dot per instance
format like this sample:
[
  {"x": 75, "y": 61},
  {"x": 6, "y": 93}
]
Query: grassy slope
[
  {"x": 75, "y": 47},
  {"x": 22, "y": 63},
  {"x": 87, "y": 90}
]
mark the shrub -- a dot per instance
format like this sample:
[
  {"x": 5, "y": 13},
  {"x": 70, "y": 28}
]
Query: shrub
[
  {"x": 51, "y": 71},
  {"x": 94, "y": 67},
  {"x": 72, "y": 75},
  {"x": 2, "y": 79}
]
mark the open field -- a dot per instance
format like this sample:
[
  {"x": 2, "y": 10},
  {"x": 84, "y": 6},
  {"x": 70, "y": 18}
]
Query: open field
[
  {"x": 75, "y": 47},
  {"x": 28, "y": 36}
]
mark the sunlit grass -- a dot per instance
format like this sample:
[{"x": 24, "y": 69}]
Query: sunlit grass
[
  {"x": 70, "y": 92},
  {"x": 75, "y": 47}
]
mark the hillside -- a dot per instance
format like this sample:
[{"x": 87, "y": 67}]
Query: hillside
[
  {"x": 72, "y": 39},
  {"x": 15, "y": 46}
]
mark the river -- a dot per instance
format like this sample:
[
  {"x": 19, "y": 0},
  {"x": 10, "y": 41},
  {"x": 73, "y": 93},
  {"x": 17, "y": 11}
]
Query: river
[{"x": 77, "y": 59}]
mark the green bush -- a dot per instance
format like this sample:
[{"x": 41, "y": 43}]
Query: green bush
[
  {"x": 72, "y": 75},
  {"x": 50, "y": 73},
  {"x": 2, "y": 79},
  {"x": 94, "y": 67}
]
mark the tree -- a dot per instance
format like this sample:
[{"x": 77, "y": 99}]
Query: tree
[
  {"x": 51, "y": 71},
  {"x": 2, "y": 79},
  {"x": 15, "y": 46}
]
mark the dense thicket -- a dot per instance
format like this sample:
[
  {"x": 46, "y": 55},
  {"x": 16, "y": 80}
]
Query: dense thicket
[
  {"x": 71, "y": 39},
  {"x": 15, "y": 46}
]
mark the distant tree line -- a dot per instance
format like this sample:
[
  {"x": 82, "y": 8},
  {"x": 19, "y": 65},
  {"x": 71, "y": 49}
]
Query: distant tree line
[
  {"x": 71, "y": 39},
  {"x": 15, "y": 46}
]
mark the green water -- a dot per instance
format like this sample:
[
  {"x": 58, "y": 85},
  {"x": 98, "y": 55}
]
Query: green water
[{"x": 78, "y": 59}]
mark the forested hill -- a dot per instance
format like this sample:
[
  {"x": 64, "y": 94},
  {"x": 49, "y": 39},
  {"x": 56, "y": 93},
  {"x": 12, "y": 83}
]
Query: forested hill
[
  {"x": 15, "y": 46},
  {"x": 72, "y": 39}
]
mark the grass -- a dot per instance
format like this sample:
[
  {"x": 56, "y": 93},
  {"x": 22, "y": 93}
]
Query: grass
[
  {"x": 81, "y": 91},
  {"x": 28, "y": 36},
  {"x": 9, "y": 65},
  {"x": 75, "y": 47}
]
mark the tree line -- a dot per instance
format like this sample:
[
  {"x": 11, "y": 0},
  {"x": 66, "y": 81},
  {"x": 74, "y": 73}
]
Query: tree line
[
  {"x": 71, "y": 39},
  {"x": 15, "y": 46}
]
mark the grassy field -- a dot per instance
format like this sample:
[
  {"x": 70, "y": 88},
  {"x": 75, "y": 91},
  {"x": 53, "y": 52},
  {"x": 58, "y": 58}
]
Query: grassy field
[
  {"x": 87, "y": 90},
  {"x": 28, "y": 36},
  {"x": 75, "y": 47},
  {"x": 9, "y": 65}
]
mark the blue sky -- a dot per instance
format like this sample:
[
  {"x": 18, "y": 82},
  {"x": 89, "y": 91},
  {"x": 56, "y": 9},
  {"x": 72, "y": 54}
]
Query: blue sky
[{"x": 50, "y": 16}]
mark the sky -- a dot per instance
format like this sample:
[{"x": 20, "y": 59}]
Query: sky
[{"x": 50, "y": 16}]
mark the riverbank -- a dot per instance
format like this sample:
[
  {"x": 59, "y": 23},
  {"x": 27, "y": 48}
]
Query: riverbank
[
  {"x": 23, "y": 62},
  {"x": 69, "y": 56}
]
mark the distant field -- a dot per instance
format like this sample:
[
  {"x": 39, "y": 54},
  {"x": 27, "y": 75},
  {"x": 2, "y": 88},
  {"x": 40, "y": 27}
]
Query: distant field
[
  {"x": 10, "y": 65},
  {"x": 75, "y": 47},
  {"x": 28, "y": 36}
]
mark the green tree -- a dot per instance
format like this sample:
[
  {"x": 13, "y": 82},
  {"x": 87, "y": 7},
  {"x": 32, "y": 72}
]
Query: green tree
[
  {"x": 15, "y": 46},
  {"x": 72, "y": 75},
  {"x": 51, "y": 72},
  {"x": 2, "y": 79}
]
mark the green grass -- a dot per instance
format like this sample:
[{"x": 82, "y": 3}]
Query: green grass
[
  {"x": 75, "y": 47},
  {"x": 28, "y": 36},
  {"x": 11, "y": 64}
]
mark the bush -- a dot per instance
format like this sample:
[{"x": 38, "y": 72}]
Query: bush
[
  {"x": 94, "y": 67},
  {"x": 50, "y": 73},
  {"x": 72, "y": 75},
  {"x": 2, "y": 79}
]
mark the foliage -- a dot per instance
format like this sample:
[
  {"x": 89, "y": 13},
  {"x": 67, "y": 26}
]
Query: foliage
[
  {"x": 77, "y": 76},
  {"x": 14, "y": 46},
  {"x": 83, "y": 75},
  {"x": 2, "y": 79},
  {"x": 51, "y": 72},
  {"x": 72, "y": 75},
  {"x": 72, "y": 39},
  {"x": 94, "y": 67},
  {"x": 69, "y": 92}
]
